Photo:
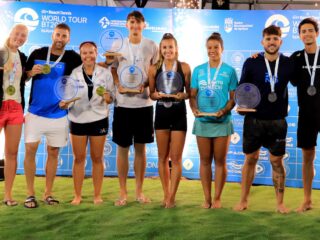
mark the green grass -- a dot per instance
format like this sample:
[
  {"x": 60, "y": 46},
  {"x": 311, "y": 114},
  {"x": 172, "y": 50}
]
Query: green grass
[{"x": 135, "y": 221}]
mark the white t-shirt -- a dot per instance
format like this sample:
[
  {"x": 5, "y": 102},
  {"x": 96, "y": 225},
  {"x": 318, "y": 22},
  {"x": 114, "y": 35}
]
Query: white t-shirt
[
  {"x": 145, "y": 54},
  {"x": 85, "y": 110},
  {"x": 14, "y": 71}
]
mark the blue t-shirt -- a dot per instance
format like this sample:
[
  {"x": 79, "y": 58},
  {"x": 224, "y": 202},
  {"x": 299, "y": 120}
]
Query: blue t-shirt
[
  {"x": 43, "y": 100},
  {"x": 226, "y": 81}
]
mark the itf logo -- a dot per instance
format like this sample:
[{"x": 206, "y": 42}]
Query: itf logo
[
  {"x": 235, "y": 138},
  {"x": 104, "y": 22},
  {"x": 228, "y": 24},
  {"x": 188, "y": 164},
  {"x": 28, "y": 17},
  {"x": 280, "y": 21}
]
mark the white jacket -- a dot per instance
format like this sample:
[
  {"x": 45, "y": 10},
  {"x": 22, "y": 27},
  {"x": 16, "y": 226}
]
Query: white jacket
[{"x": 83, "y": 110}]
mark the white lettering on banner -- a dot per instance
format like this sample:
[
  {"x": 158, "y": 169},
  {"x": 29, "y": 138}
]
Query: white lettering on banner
[
  {"x": 234, "y": 167},
  {"x": 152, "y": 165},
  {"x": 106, "y": 165},
  {"x": 50, "y": 19}
]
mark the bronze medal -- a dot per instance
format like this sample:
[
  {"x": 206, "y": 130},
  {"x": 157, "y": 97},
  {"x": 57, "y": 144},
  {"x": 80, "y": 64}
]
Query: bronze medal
[
  {"x": 46, "y": 69},
  {"x": 10, "y": 90}
]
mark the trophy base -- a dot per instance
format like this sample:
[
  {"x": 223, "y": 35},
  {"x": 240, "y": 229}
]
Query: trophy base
[
  {"x": 112, "y": 54},
  {"x": 128, "y": 90},
  {"x": 204, "y": 114},
  {"x": 168, "y": 95},
  {"x": 244, "y": 110},
  {"x": 72, "y": 100}
]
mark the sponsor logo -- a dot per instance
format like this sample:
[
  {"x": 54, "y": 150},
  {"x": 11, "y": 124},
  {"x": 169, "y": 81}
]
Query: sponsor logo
[
  {"x": 280, "y": 21},
  {"x": 107, "y": 149},
  {"x": 103, "y": 130},
  {"x": 235, "y": 138},
  {"x": 28, "y": 17},
  {"x": 104, "y": 22},
  {"x": 286, "y": 156},
  {"x": 188, "y": 164},
  {"x": 234, "y": 167},
  {"x": 228, "y": 24},
  {"x": 237, "y": 58},
  {"x": 260, "y": 169}
]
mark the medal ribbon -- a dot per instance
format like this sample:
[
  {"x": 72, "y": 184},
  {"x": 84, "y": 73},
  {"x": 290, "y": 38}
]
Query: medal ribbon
[
  {"x": 210, "y": 83},
  {"x": 313, "y": 73},
  {"x": 14, "y": 70},
  {"x": 56, "y": 62},
  {"x": 275, "y": 75},
  {"x": 133, "y": 57}
]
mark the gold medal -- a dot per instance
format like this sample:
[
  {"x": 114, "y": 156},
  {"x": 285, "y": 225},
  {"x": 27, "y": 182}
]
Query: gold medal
[
  {"x": 10, "y": 90},
  {"x": 46, "y": 69},
  {"x": 100, "y": 91}
]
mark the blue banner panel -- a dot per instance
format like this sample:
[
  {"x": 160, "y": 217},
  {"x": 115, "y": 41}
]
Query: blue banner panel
[{"x": 242, "y": 34}]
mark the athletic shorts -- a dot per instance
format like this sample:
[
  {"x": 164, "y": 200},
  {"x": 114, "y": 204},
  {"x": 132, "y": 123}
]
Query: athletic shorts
[
  {"x": 307, "y": 132},
  {"x": 11, "y": 113},
  {"x": 97, "y": 128},
  {"x": 270, "y": 134},
  {"x": 54, "y": 129},
  {"x": 132, "y": 125},
  {"x": 173, "y": 118}
]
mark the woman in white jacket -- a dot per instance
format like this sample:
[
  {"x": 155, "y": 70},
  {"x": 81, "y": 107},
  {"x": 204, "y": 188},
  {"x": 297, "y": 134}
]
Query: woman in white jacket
[{"x": 89, "y": 119}]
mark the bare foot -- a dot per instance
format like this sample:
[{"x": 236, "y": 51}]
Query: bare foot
[
  {"x": 305, "y": 206},
  {"x": 282, "y": 209},
  {"x": 206, "y": 205},
  {"x": 120, "y": 202},
  {"x": 76, "y": 201},
  {"x": 143, "y": 199},
  {"x": 242, "y": 206},
  {"x": 216, "y": 204},
  {"x": 97, "y": 201},
  {"x": 171, "y": 204}
]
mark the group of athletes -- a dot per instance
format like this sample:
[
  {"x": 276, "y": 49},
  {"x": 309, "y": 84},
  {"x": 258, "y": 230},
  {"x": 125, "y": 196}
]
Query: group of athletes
[{"x": 133, "y": 124}]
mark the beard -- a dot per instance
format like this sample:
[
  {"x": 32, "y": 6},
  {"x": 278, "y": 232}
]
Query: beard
[
  {"x": 59, "y": 45},
  {"x": 275, "y": 51}
]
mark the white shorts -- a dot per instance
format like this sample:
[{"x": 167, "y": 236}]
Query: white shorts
[{"x": 55, "y": 130}]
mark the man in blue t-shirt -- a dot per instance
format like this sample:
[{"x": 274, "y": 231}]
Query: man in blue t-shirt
[
  {"x": 46, "y": 65},
  {"x": 270, "y": 73}
]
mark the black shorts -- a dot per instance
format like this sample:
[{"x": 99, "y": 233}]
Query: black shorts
[
  {"x": 308, "y": 129},
  {"x": 270, "y": 134},
  {"x": 132, "y": 125},
  {"x": 97, "y": 128},
  {"x": 173, "y": 118}
]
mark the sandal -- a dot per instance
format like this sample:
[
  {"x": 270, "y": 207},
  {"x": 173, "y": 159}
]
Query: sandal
[
  {"x": 30, "y": 202},
  {"x": 10, "y": 203},
  {"x": 51, "y": 201}
]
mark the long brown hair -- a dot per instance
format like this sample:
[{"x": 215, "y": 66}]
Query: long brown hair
[{"x": 166, "y": 36}]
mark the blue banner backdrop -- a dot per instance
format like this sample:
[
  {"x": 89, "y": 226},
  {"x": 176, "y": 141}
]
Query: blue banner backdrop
[{"x": 241, "y": 31}]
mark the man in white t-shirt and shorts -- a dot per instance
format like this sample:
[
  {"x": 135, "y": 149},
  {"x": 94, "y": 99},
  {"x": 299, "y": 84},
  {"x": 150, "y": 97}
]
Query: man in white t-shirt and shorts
[{"x": 133, "y": 112}]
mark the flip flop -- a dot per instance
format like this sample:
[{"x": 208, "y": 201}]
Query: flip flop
[
  {"x": 10, "y": 203},
  {"x": 120, "y": 202},
  {"x": 30, "y": 202},
  {"x": 51, "y": 201}
]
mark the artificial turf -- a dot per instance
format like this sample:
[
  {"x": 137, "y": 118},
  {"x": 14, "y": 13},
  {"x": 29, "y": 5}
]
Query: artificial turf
[{"x": 150, "y": 221}]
